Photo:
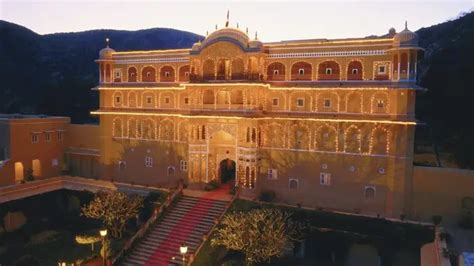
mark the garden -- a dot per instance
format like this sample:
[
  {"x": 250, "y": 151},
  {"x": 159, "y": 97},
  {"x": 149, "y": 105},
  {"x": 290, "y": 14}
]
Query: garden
[
  {"x": 56, "y": 227},
  {"x": 323, "y": 239}
]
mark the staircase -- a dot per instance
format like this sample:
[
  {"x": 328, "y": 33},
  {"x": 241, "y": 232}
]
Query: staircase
[{"x": 185, "y": 222}]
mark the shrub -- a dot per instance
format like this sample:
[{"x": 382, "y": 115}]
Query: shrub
[
  {"x": 44, "y": 237},
  {"x": 27, "y": 260},
  {"x": 267, "y": 196}
]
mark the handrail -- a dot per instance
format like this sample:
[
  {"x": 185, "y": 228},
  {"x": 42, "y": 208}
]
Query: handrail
[
  {"x": 144, "y": 228},
  {"x": 217, "y": 221}
]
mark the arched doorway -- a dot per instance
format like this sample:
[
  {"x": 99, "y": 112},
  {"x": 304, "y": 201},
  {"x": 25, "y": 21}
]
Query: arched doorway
[{"x": 227, "y": 171}]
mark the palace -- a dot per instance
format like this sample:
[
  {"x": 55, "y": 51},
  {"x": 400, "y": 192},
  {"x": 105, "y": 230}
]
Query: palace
[{"x": 322, "y": 123}]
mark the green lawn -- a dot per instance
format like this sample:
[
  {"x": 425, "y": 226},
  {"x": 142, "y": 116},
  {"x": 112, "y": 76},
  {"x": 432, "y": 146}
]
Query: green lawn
[{"x": 333, "y": 238}]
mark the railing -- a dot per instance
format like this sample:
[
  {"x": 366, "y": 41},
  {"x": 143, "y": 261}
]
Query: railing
[
  {"x": 195, "y": 78},
  {"x": 276, "y": 77},
  {"x": 329, "y": 77},
  {"x": 144, "y": 228},
  {"x": 354, "y": 76},
  {"x": 301, "y": 77},
  {"x": 216, "y": 222}
]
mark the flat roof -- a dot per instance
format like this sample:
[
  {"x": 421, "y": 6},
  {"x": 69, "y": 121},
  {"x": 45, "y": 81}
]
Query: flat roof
[{"x": 12, "y": 117}]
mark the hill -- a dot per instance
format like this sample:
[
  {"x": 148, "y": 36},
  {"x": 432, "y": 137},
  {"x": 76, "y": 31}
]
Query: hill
[
  {"x": 447, "y": 71},
  {"x": 52, "y": 74}
]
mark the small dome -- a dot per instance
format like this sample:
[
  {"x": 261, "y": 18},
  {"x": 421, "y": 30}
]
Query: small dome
[
  {"x": 405, "y": 38},
  {"x": 227, "y": 34},
  {"x": 106, "y": 52},
  {"x": 392, "y": 32},
  {"x": 255, "y": 44},
  {"x": 196, "y": 46}
]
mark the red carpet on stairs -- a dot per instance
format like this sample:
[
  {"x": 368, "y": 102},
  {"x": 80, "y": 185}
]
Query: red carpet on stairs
[{"x": 169, "y": 247}]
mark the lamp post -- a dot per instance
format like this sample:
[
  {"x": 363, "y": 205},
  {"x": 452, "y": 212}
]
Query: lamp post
[
  {"x": 183, "y": 250},
  {"x": 103, "y": 234}
]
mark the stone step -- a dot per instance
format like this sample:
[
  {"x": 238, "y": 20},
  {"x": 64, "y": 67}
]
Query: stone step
[
  {"x": 187, "y": 221},
  {"x": 191, "y": 241},
  {"x": 190, "y": 215},
  {"x": 192, "y": 206},
  {"x": 204, "y": 199},
  {"x": 196, "y": 234}
]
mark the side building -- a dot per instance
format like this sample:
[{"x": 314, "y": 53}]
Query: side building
[
  {"x": 323, "y": 123},
  {"x": 35, "y": 147}
]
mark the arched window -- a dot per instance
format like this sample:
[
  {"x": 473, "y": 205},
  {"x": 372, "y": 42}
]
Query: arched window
[
  {"x": 403, "y": 63},
  {"x": 236, "y": 97},
  {"x": 107, "y": 73},
  {"x": 184, "y": 72},
  {"x": 117, "y": 127},
  {"x": 293, "y": 184},
  {"x": 354, "y": 70},
  {"x": 148, "y": 129},
  {"x": 167, "y": 74},
  {"x": 301, "y": 71},
  {"x": 237, "y": 69},
  {"x": 208, "y": 70},
  {"x": 328, "y": 70},
  {"x": 208, "y": 97},
  {"x": 122, "y": 165},
  {"x": 170, "y": 170},
  {"x": 148, "y": 74},
  {"x": 369, "y": 192},
  {"x": 395, "y": 64},
  {"x": 276, "y": 71},
  {"x": 254, "y": 135},
  {"x": 102, "y": 73},
  {"x": 117, "y": 99},
  {"x": 352, "y": 140},
  {"x": 132, "y": 128},
  {"x": 248, "y": 134},
  {"x": 326, "y": 138},
  {"x": 132, "y": 74}
]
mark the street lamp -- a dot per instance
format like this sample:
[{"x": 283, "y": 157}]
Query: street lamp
[
  {"x": 183, "y": 250},
  {"x": 103, "y": 234}
]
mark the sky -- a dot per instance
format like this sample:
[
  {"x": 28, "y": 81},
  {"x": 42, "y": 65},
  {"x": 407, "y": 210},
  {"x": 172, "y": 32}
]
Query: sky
[{"x": 274, "y": 20}]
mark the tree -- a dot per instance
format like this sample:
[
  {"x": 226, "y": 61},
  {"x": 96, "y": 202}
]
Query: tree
[
  {"x": 260, "y": 234},
  {"x": 87, "y": 239},
  {"x": 114, "y": 209}
]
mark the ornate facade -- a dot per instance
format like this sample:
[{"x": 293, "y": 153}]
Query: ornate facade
[{"x": 323, "y": 123}]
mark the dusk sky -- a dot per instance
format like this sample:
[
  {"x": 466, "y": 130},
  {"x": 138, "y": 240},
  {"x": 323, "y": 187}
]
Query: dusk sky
[{"x": 274, "y": 21}]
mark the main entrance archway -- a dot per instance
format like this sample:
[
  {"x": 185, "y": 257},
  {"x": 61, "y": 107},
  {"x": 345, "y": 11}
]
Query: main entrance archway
[
  {"x": 227, "y": 171},
  {"x": 221, "y": 163}
]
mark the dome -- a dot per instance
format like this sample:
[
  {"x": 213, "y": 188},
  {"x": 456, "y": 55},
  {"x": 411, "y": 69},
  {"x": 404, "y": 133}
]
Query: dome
[
  {"x": 405, "y": 38},
  {"x": 106, "y": 52},
  {"x": 255, "y": 44},
  {"x": 196, "y": 46},
  {"x": 392, "y": 32},
  {"x": 227, "y": 34}
]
